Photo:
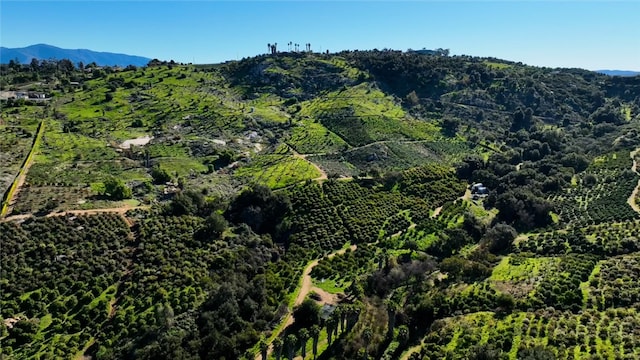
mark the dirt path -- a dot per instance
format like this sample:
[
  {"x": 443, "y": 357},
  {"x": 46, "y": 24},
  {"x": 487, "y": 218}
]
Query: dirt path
[
  {"x": 438, "y": 210},
  {"x": 325, "y": 297},
  {"x": 634, "y": 194},
  {"x": 118, "y": 210},
  {"x": 466, "y": 196},
  {"x": 19, "y": 183},
  {"x": 323, "y": 174},
  {"x": 407, "y": 354},
  {"x": 307, "y": 283},
  {"x": 306, "y": 287},
  {"x": 22, "y": 174}
]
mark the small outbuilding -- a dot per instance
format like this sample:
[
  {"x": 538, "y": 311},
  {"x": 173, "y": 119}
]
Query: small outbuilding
[{"x": 478, "y": 190}]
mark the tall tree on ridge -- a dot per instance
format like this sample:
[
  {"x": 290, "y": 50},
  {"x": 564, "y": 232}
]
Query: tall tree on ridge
[
  {"x": 277, "y": 347},
  {"x": 315, "y": 333},
  {"x": 303, "y": 334},
  {"x": 290, "y": 342},
  {"x": 264, "y": 349}
]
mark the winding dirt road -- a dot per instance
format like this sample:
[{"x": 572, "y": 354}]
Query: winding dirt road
[
  {"x": 323, "y": 174},
  {"x": 436, "y": 212},
  {"x": 466, "y": 196},
  {"x": 118, "y": 210},
  {"x": 306, "y": 286},
  {"x": 307, "y": 283},
  {"x": 632, "y": 201},
  {"x": 414, "y": 349},
  {"x": 22, "y": 174}
]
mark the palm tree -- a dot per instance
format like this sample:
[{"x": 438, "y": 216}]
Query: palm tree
[
  {"x": 315, "y": 333},
  {"x": 352, "y": 317},
  {"x": 264, "y": 349},
  {"x": 303, "y": 334},
  {"x": 330, "y": 324},
  {"x": 277, "y": 347},
  {"x": 392, "y": 308},
  {"x": 366, "y": 336},
  {"x": 291, "y": 341},
  {"x": 403, "y": 334},
  {"x": 337, "y": 314}
]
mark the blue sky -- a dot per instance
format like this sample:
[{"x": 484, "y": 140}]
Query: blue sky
[{"x": 587, "y": 34}]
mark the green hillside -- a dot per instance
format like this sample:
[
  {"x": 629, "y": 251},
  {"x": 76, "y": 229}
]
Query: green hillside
[{"x": 210, "y": 211}]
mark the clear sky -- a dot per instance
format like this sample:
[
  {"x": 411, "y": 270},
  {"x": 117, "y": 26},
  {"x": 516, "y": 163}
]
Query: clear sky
[{"x": 587, "y": 34}]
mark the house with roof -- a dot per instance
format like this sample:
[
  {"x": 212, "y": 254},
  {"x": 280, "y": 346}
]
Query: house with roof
[{"x": 478, "y": 190}]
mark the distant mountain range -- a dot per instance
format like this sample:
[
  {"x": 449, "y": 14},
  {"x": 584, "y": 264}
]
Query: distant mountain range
[
  {"x": 45, "y": 52},
  {"x": 618, "y": 72}
]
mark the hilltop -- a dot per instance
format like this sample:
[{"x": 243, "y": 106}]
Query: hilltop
[
  {"x": 48, "y": 52},
  {"x": 299, "y": 203}
]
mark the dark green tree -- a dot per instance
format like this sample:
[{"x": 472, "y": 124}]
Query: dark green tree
[
  {"x": 307, "y": 313},
  {"x": 403, "y": 334},
  {"x": 392, "y": 308},
  {"x": 159, "y": 175},
  {"x": 500, "y": 237},
  {"x": 214, "y": 225},
  {"x": 314, "y": 331},
  {"x": 277, "y": 347},
  {"x": 484, "y": 352},
  {"x": 290, "y": 343},
  {"x": 303, "y": 334},
  {"x": 264, "y": 349},
  {"x": 116, "y": 189},
  {"x": 367, "y": 335},
  {"x": 259, "y": 208},
  {"x": 536, "y": 353},
  {"x": 330, "y": 324}
]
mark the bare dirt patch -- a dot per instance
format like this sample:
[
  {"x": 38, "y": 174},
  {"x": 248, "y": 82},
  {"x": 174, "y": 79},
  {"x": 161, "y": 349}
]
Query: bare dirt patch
[
  {"x": 137, "y": 142},
  {"x": 118, "y": 210}
]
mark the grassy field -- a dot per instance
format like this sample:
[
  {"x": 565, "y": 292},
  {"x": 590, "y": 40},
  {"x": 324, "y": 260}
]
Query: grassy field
[
  {"x": 311, "y": 137},
  {"x": 519, "y": 276},
  {"x": 363, "y": 114},
  {"x": 277, "y": 171}
]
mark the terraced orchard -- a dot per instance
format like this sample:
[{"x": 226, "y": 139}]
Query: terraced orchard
[
  {"x": 336, "y": 212},
  {"x": 544, "y": 334},
  {"x": 355, "y": 205},
  {"x": 601, "y": 192}
]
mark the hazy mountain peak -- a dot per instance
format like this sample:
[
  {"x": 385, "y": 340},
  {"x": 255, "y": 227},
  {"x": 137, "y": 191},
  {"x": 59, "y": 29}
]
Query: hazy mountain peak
[
  {"x": 618, "y": 72},
  {"x": 46, "y": 51}
]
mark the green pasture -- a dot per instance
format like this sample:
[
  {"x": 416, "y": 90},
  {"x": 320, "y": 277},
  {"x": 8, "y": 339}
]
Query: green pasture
[{"x": 277, "y": 171}]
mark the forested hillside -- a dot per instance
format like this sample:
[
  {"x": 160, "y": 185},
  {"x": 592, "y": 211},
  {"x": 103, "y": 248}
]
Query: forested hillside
[{"x": 319, "y": 206}]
